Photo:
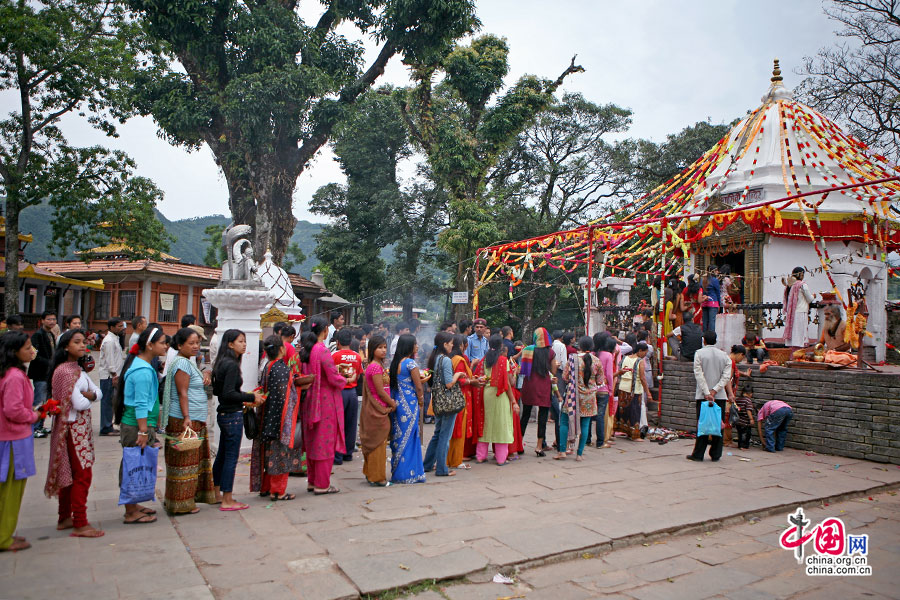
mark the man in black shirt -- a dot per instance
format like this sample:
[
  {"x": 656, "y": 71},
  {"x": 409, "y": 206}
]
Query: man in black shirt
[
  {"x": 44, "y": 343},
  {"x": 691, "y": 337}
]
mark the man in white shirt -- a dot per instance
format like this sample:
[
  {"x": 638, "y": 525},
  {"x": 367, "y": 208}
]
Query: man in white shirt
[
  {"x": 712, "y": 371},
  {"x": 138, "y": 325},
  {"x": 337, "y": 323},
  {"x": 402, "y": 328},
  {"x": 111, "y": 360}
]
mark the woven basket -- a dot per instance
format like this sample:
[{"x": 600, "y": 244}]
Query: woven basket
[
  {"x": 780, "y": 355},
  {"x": 189, "y": 440}
]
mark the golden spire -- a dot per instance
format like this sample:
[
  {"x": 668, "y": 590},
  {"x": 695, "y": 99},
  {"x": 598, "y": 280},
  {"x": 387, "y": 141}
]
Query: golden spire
[{"x": 776, "y": 73}]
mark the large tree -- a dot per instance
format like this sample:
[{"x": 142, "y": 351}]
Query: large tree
[
  {"x": 857, "y": 82},
  {"x": 368, "y": 143},
  {"x": 69, "y": 57},
  {"x": 264, "y": 89},
  {"x": 561, "y": 172},
  {"x": 463, "y": 125},
  {"x": 650, "y": 164}
]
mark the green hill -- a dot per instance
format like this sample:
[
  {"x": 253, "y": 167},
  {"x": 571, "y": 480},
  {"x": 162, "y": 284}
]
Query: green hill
[{"x": 189, "y": 244}]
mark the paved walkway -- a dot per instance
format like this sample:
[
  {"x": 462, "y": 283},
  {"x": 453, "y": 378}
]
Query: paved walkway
[
  {"x": 367, "y": 540},
  {"x": 740, "y": 562}
]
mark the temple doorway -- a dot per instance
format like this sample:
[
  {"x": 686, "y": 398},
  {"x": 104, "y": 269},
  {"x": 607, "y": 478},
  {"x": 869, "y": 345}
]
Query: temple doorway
[{"x": 737, "y": 263}]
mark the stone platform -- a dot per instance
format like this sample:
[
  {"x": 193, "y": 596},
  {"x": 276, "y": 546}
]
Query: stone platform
[
  {"x": 846, "y": 412},
  {"x": 365, "y": 540}
]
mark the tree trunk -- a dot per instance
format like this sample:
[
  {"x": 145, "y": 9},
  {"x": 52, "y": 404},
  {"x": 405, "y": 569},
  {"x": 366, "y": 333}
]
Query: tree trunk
[
  {"x": 273, "y": 189},
  {"x": 11, "y": 251},
  {"x": 369, "y": 307}
]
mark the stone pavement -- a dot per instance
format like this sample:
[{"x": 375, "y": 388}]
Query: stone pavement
[
  {"x": 739, "y": 562},
  {"x": 366, "y": 540}
]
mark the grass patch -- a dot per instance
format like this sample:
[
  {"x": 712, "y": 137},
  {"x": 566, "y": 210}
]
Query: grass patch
[{"x": 432, "y": 585}]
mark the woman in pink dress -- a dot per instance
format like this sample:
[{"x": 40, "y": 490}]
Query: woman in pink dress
[{"x": 322, "y": 408}]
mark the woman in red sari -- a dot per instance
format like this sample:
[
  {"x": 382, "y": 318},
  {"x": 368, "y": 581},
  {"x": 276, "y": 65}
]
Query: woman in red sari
[
  {"x": 463, "y": 428},
  {"x": 322, "y": 409},
  {"x": 71, "y": 443}
]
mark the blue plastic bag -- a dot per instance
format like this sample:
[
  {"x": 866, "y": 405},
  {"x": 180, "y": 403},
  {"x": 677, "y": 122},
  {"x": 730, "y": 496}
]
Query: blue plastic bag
[
  {"x": 710, "y": 422},
  {"x": 138, "y": 475}
]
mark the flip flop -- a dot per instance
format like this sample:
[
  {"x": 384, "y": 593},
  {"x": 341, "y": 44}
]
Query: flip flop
[
  {"x": 141, "y": 520},
  {"x": 237, "y": 507},
  {"x": 331, "y": 490},
  {"x": 147, "y": 511},
  {"x": 282, "y": 498},
  {"x": 463, "y": 466}
]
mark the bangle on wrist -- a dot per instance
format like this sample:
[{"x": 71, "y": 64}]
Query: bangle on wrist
[{"x": 143, "y": 433}]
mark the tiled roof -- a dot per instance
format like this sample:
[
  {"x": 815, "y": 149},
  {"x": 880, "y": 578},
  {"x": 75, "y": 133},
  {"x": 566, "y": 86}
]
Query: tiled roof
[
  {"x": 77, "y": 267},
  {"x": 303, "y": 282},
  {"x": 210, "y": 274}
]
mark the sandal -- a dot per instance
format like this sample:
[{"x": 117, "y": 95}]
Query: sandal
[
  {"x": 560, "y": 456},
  {"x": 331, "y": 490},
  {"x": 264, "y": 494},
  {"x": 277, "y": 498},
  {"x": 144, "y": 519},
  {"x": 463, "y": 466},
  {"x": 16, "y": 546},
  {"x": 239, "y": 506},
  {"x": 540, "y": 453}
]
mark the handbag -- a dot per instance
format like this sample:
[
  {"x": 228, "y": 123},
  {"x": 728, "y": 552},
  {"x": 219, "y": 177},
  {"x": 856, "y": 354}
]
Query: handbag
[
  {"x": 710, "y": 422},
  {"x": 251, "y": 423},
  {"x": 445, "y": 401}
]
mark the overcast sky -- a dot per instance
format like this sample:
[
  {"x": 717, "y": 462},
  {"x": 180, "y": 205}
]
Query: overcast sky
[{"x": 672, "y": 62}]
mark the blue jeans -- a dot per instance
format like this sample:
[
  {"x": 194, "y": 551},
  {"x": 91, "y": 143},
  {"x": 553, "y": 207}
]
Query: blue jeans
[
  {"x": 775, "y": 428},
  {"x": 709, "y": 317},
  {"x": 436, "y": 453},
  {"x": 40, "y": 396},
  {"x": 106, "y": 405},
  {"x": 231, "y": 431},
  {"x": 600, "y": 419}
]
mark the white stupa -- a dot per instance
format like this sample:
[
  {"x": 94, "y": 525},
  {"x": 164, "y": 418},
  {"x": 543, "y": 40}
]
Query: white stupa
[{"x": 277, "y": 281}]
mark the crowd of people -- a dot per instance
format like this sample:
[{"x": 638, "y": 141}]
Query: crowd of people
[{"x": 478, "y": 385}]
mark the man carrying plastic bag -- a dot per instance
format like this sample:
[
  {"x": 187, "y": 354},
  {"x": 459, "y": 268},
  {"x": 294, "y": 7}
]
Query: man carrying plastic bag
[{"x": 712, "y": 370}]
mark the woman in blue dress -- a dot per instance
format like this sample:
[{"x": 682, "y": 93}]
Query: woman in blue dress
[{"x": 407, "y": 392}]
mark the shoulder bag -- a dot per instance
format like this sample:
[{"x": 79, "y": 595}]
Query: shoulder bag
[{"x": 445, "y": 401}]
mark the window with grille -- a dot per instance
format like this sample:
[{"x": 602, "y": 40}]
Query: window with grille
[
  {"x": 127, "y": 304},
  {"x": 101, "y": 305},
  {"x": 168, "y": 308}
]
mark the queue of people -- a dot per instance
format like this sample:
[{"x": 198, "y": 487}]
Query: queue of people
[{"x": 483, "y": 386}]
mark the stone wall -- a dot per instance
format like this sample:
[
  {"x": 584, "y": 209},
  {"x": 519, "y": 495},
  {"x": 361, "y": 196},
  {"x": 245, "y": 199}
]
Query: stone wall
[
  {"x": 847, "y": 413},
  {"x": 893, "y": 336}
]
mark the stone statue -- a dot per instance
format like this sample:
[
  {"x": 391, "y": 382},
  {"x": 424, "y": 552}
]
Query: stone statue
[{"x": 239, "y": 267}]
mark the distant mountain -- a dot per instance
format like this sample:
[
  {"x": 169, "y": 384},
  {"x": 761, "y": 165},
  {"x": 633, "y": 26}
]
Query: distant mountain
[{"x": 189, "y": 244}]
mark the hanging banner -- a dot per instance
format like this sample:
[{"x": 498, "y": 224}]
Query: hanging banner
[{"x": 167, "y": 301}]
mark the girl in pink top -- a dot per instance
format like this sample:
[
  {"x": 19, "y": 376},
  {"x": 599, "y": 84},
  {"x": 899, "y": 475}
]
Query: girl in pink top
[{"x": 16, "y": 441}]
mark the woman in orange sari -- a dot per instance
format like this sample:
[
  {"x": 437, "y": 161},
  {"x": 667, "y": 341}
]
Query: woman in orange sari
[{"x": 462, "y": 429}]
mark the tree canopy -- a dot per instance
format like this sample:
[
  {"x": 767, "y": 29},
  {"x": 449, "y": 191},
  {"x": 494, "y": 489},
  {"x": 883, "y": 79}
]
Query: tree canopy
[
  {"x": 61, "y": 58},
  {"x": 464, "y": 124},
  {"x": 264, "y": 89}
]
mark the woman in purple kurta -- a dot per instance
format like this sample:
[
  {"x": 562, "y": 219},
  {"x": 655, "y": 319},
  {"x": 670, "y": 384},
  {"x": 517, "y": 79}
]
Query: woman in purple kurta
[{"x": 322, "y": 409}]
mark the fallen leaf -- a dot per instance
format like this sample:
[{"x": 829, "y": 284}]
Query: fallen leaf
[
  {"x": 587, "y": 555},
  {"x": 645, "y": 544},
  {"x": 404, "y": 567},
  {"x": 699, "y": 545}
]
